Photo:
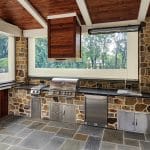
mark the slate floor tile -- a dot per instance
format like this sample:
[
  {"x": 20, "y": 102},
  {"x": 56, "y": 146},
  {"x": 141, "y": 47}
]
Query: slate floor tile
[
  {"x": 2, "y": 136},
  {"x": 125, "y": 147},
  {"x": 54, "y": 143},
  {"x": 50, "y": 129},
  {"x": 147, "y": 137},
  {"x": 18, "y": 148},
  {"x": 3, "y": 146},
  {"x": 25, "y": 132},
  {"x": 145, "y": 145},
  {"x": 93, "y": 143},
  {"x": 131, "y": 142},
  {"x": 11, "y": 140},
  {"x": 108, "y": 146},
  {"x": 36, "y": 140},
  {"x": 17, "y": 133},
  {"x": 12, "y": 130},
  {"x": 26, "y": 122},
  {"x": 9, "y": 120},
  {"x": 93, "y": 131},
  {"x": 113, "y": 136},
  {"x": 67, "y": 133},
  {"x": 38, "y": 120},
  {"x": 63, "y": 125},
  {"x": 36, "y": 125},
  {"x": 81, "y": 137},
  {"x": 133, "y": 135},
  {"x": 73, "y": 145}
]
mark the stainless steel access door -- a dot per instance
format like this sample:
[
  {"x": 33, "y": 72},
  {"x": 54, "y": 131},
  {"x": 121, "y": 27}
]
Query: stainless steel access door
[
  {"x": 96, "y": 110},
  {"x": 36, "y": 107},
  {"x": 62, "y": 112}
]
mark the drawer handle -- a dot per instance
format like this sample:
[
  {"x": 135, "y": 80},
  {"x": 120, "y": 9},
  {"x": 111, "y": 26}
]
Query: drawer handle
[{"x": 136, "y": 122}]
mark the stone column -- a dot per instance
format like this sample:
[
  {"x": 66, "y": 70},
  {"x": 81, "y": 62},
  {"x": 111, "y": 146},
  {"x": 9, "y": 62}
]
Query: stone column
[
  {"x": 21, "y": 59},
  {"x": 144, "y": 57}
]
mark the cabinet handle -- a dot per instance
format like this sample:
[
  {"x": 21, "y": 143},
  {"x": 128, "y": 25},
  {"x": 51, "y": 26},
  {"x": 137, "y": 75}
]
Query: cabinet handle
[
  {"x": 64, "y": 112},
  {"x": 136, "y": 122},
  {"x": 133, "y": 123}
]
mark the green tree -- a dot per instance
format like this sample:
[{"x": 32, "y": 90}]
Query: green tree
[
  {"x": 106, "y": 51},
  {"x": 3, "y": 53}
]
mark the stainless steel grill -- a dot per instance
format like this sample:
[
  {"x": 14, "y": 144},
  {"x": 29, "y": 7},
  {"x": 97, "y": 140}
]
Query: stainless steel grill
[{"x": 63, "y": 87}]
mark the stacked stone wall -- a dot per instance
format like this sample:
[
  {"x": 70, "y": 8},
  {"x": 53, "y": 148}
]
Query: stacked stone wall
[
  {"x": 132, "y": 104},
  {"x": 21, "y": 59},
  {"x": 20, "y": 101}
]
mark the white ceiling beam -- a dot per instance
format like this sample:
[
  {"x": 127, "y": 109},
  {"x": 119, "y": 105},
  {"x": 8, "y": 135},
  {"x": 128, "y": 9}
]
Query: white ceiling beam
[
  {"x": 61, "y": 15},
  {"x": 84, "y": 11},
  {"x": 143, "y": 10},
  {"x": 26, "y": 4},
  {"x": 10, "y": 29},
  {"x": 110, "y": 24},
  {"x": 64, "y": 16},
  {"x": 35, "y": 33}
]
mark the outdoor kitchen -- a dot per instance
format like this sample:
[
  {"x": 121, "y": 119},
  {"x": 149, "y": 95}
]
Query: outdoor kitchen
[{"x": 75, "y": 75}]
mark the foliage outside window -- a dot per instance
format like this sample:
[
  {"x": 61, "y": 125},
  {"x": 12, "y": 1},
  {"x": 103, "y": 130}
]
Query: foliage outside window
[
  {"x": 102, "y": 51},
  {"x": 3, "y": 53}
]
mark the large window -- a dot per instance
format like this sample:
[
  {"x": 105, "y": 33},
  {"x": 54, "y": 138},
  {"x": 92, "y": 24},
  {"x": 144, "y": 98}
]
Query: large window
[
  {"x": 3, "y": 53},
  {"x": 7, "y": 69},
  {"x": 103, "y": 56},
  {"x": 102, "y": 51}
]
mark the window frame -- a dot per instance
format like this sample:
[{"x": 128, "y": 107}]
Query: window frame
[
  {"x": 10, "y": 75},
  {"x": 131, "y": 73}
]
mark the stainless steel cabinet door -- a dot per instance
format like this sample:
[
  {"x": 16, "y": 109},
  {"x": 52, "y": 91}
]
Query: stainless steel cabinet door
[
  {"x": 96, "y": 110},
  {"x": 69, "y": 113},
  {"x": 126, "y": 120},
  {"x": 62, "y": 112},
  {"x": 36, "y": 107},
  {"x": 142, "y": 122},
  {"x": 56, "y": 110}
]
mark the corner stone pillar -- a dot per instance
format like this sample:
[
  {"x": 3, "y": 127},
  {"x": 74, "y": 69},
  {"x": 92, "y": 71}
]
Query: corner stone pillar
[
  {"x": 144, "y": 58},
  {"x": 21, "y": 61}
]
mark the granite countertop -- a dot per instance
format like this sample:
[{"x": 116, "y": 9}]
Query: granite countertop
[
  {"x": 7, "y": 85},
  {"x": 29, "y": 86},
  {"x": 105, "y": 92},
  {"x": 24, "y": 86},
  {"x": 110, "y": 92}
]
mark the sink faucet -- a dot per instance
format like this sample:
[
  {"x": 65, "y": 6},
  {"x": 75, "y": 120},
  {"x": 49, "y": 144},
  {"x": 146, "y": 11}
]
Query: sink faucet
[{"x": 125, "y": 83}]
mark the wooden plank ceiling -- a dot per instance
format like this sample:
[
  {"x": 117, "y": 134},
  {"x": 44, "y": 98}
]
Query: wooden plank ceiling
[
  {"x": 12, "y": 12},
  {"x": 101, "y": 11}
]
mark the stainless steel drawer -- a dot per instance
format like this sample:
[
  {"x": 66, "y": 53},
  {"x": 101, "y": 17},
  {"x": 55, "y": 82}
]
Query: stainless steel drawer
[{"x": 96, "y": 110}]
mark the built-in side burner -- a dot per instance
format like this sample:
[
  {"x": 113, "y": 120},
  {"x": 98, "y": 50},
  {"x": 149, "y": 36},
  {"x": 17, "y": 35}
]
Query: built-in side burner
[
  {"x": 36, "y": 90},
  {"x": 36, "y": 101}
]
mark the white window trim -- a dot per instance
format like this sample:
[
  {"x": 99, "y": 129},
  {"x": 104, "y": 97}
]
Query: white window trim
[
  {"x": 130, "y": 73},
  {"x": 10, "y": 75}
]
